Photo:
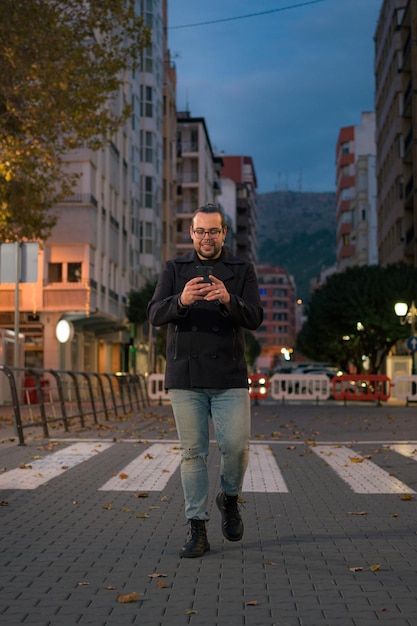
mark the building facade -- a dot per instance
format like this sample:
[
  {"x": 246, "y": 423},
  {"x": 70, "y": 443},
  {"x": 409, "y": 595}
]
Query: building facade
[
  {"x": 198, "y": 174},
  {"x": 352, "y": 143},
  {"x": 238, "y": 199},
  {"x": 396, "y": 131},
  {"x": 277, "y": 334},
  {"x": 364, "y": 213},
  {"x": 108, "y": 236}
]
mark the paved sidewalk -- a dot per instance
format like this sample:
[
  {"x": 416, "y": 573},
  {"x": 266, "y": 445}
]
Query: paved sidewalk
[{"x": 316, "y": 550}]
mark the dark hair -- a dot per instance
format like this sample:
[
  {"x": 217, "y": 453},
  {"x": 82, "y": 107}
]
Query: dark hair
[{"x": 209, "y": 207}]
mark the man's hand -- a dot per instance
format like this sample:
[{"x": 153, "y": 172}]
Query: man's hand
[
  {"x": 195, "y": 290},
  {"x": 218, "y": 291}
]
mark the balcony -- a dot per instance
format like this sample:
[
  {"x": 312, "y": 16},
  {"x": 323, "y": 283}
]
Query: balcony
[
  {"x": 80, "y": 198},
  {"x": 187, "y": 177}
]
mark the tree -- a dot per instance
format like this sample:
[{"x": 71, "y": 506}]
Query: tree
[
  {"x": 252, "y": 348},
  {"x": 138, "y": 303},
  {"x": 352, "y": 315},
  {"x": 62, "y": 64}
]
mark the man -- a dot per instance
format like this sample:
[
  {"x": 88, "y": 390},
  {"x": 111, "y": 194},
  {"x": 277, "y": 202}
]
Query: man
[{"x": 206, "y": 372}]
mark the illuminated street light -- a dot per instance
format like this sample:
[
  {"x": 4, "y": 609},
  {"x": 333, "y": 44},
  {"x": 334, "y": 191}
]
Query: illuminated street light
[{"x": 409, "y": 316}]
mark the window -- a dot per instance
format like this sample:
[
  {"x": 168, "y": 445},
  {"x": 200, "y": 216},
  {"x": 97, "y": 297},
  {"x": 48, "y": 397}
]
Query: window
[
  {"x": 146, "y": 238},
  {"x": 74, "y": 273},
  {"x": 148, "y": 192},
  {"x": 55, "y": 272},
  {"x": 148, "y": 149}
]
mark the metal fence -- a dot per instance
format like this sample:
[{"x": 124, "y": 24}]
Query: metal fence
[{"x": 41, "y": 397}]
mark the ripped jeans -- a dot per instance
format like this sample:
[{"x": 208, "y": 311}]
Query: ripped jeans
[{"x": 229, "y": 410}]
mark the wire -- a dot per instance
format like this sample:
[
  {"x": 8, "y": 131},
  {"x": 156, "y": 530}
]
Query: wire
[{"x": 242, "y": 17}]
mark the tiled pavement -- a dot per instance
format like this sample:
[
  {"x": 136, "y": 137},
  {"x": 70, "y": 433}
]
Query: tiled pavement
[{"x": 317, "y": 552}]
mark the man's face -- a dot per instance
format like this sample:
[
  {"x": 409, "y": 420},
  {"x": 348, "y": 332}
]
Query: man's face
[{"x": 209, "y": 246}]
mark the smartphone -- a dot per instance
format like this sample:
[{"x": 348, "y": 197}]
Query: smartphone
[{"x": 204, "y": 271}]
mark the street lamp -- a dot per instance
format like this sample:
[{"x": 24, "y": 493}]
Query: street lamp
[{"x": 408, "y": 315}]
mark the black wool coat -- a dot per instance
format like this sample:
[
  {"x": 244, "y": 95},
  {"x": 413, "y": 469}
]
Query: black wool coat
[{"x": 206, "y": 341}]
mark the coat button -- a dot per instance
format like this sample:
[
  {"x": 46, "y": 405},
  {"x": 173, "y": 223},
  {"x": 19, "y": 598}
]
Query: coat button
[
  {"x": 194, "y": 329},
  {"x": 215, "y": 329}
]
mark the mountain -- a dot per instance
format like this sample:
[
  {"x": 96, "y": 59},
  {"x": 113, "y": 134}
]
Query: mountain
[{"x": 297, "y": 231}]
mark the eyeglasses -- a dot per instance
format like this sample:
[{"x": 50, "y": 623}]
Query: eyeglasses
[{"x": 213, "y": 233}]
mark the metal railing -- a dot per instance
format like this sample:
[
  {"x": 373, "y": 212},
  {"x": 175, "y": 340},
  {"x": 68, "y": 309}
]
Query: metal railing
[{"x": 41, "y": 397}]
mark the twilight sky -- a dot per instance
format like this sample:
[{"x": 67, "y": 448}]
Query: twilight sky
[{"x": 276, "y": 86}]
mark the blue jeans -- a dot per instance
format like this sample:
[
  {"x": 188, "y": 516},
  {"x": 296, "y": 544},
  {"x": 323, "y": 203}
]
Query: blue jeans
[{"x": 229, "y": 410}]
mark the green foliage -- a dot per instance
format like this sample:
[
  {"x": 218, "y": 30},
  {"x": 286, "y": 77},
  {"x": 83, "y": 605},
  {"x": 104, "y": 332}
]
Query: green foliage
[
  {"x": 138, "y": 302},
  {"x": 303, "y": 256},
  {"x": 252, "y": 348},
  {"x": 353, "y": 315},
  {"x": 62, "y": 65}
]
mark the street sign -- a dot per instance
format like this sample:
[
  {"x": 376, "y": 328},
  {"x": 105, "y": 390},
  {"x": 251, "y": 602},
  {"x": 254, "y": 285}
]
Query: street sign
[
  {"x": 27, "y": 262},
  {"x": 412, "y": 343}
]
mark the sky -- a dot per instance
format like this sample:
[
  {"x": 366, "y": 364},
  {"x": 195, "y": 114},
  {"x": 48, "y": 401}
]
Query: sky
[{"x": 279, "y": 85}]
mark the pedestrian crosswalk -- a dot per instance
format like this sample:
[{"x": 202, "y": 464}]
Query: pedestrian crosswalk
[
  {"x": 360, "y": 473},
  {"x": 158, "y": 462}
]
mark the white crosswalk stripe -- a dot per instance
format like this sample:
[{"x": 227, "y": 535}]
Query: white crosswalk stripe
[
  {"x": 406, "y": 449},
  {"x": 148, "y": 472},
  {"x": 263, "y": 473},
  {"x": 40, "y": 471},
  {"x": 361, "y": 474}
]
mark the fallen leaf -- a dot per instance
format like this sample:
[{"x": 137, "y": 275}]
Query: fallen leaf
[
  {"x": 291, "y": 447},
  {"x": 157, "y": 575},
  {"x": 356, "y": 569},
  {"x": 108, "y": 506},
  {"x": 126, "y": 510},
  {"x": 191, "y": 612},
  {"x": 24, "y": 466},
  {"x": 252, "y": 603},
  {"x": 161, "y": 584},
  {"x": 394, "y": 514},
  {"x": 4, "y": 503},
  {"x": 110, "y": 588},
  {"x": 375, "y": 567},
  {"x": 407, "y": 496},
  {"x": 128, "y": 597},
  {"x": 148, "y": 456},
  {"x": 83, "y": 583},
  {"x": 143, "y": 515},
  {"x": 358, "y": 513},
  {"x": 141, "y": 495},
  {"x": 123, "y": 476}
]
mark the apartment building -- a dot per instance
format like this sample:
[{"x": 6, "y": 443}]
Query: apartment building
[
  {"x": 108, "y": 237},
  {"x": 169, "y": 170},
  {"x": 198, "y": 174},
  {"x": 352, "y": 143},
  {"x": 364, "y": 213},
  {"x": 238, "y": 198},
  {"x": 396, "y": 131},
  {"x": 277, "y": 334}
]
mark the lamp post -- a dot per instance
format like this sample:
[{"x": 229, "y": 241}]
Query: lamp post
[{"x": 408, "y": 315}]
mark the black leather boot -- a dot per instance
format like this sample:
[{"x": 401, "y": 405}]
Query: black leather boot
[
  {"x": 196, "y": 544},
  {"x": 232, "y": 525}
]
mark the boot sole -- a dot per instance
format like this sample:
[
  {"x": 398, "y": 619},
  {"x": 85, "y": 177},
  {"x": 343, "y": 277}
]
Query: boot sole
[{"x": 188, "y": 555}]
